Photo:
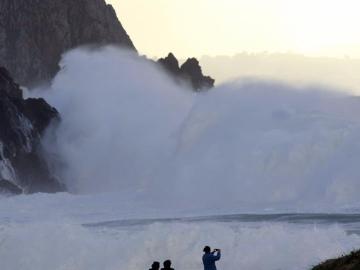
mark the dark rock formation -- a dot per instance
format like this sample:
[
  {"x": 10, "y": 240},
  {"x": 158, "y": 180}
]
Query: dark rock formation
[
  {"x": 34, "y": 34},
  {"x": 7, "y": 187},
  {"x": 348, "y": 262},
  {"x": 22, "y": 122},
  {"x": 190, "y": 71},
  {"x": 170, "y": 64}
]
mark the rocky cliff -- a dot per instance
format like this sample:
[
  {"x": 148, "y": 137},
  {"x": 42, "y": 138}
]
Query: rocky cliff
[
  {"x": 348, "y": 262},
  {"x": 190, "y": 71},
  {"x": 22, "y": 123},
  {"x": 34, "y": 34}
]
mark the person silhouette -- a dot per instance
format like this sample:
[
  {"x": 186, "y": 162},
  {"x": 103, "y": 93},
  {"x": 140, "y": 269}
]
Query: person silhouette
[
  {"x": 209, "y": 258},
  {"x": 167, "y": 265},
  {"x": 155, "y": 266}
]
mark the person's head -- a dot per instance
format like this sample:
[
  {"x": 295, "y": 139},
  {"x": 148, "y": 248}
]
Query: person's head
[
  {"x": 167, "y": 264},
  {"x": 207, "y": 249},
  {"x": 155, "y": 265}
]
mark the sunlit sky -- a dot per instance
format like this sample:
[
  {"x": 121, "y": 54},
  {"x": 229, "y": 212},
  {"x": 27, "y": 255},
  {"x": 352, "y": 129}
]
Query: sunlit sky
[{"x": 226, "y": 27}]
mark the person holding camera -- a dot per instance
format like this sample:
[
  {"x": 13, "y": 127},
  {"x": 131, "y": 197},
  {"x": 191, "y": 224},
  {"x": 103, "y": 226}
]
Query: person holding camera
[{"x": 209, "y": 258}]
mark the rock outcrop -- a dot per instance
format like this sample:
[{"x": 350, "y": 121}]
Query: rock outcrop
[
  {"x": 8, "y": 188},
  {"x": 348, "y": 262},
  {"x": 34, "y": 34},
  {"x": 190, "y": 72},
  {"x": 22, "y": 123}
]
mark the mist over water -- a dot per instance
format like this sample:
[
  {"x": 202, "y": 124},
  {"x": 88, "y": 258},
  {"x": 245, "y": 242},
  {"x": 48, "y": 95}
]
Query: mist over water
[
  {"x": 135, "y": 149},
  {"x": 268, "y": 144},
  {"x": 72, "y": 247},
  {"x": 120, "y": 116},
  {"x": 250, "y": 144}
]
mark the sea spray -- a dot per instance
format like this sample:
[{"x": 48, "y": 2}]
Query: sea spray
[
  {"x": 120, "y": 117},
  {"x": 258, "y": 144},
  {"x": 64, "y": 231}
]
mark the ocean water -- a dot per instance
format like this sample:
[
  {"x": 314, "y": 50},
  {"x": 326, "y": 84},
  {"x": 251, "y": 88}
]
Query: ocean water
[
  {"x": 266, "y": 171},
  {"x": 66, "y": 231}
]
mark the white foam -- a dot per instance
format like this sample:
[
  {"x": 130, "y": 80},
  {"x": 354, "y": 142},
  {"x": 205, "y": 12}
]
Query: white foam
[
  {"x": 127, "y": 127},
  {"x": 72, "y": 247},
  {"x": 163, "y": 151},
  {"x": 7, "y": 171}
]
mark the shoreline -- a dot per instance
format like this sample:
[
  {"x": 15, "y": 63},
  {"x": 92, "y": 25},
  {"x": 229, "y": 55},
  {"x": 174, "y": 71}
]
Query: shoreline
[{"x": 346, "y": 262}]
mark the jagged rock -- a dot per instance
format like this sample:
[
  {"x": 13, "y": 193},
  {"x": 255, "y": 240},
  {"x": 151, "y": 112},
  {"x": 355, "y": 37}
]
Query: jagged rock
[
  {"x": 348, "y": 262},
  {"x": 190, "y": 71},
  {"x": 34, "y": 34},
  {"x": 22, "y": 122},
  {"x": 170, "y": 63},
  {"x": 7, "y": 187},
  {"x": 8, "y": 86}
]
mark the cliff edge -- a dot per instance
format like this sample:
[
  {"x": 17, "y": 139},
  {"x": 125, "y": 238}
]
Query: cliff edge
[
  {"x": 34, "y": 34},
  {"x": 22, "y": 123}
]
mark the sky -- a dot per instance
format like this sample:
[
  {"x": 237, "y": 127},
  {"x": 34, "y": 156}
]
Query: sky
[{"x": 225, "y": 27}]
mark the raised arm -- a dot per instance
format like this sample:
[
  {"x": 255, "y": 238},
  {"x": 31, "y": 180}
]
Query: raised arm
[{"x": 217, "y": 256}]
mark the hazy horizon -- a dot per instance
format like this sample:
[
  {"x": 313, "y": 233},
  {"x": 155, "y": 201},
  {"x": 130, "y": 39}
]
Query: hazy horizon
[
  {"x": 340, "y": 74},
  {"x": 199, "y": 27}
]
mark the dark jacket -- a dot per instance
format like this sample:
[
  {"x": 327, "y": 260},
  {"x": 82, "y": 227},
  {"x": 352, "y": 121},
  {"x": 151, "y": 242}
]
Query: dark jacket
[{"x": 209, "y": 260}]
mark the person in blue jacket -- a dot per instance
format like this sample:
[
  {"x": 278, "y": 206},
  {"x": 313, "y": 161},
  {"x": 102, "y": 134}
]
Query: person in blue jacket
[{"x": 209, "y": 258}]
